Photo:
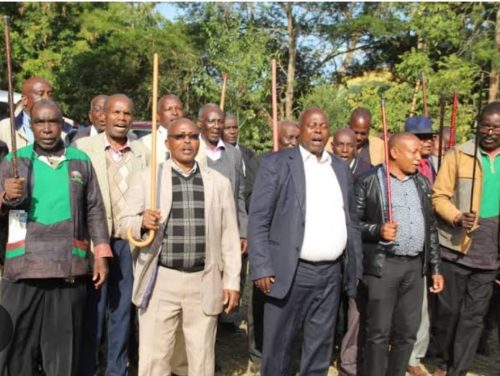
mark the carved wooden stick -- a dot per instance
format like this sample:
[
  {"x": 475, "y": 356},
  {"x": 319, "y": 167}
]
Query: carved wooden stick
[
  {"x": 223, "y": 91},
  {"x": 386, "y": 158},
  {"x": 146, "y": 242},
  {"x": 8, "y": 57}
]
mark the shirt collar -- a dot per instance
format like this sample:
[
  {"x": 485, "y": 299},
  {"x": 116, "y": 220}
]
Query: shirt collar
[
  {"x": 220, "y": 145},
  {"x": 122, "y": 149},
  {"x": 93, "y": 130},
  {"x": 306, "y": 155},
  {"x": 180, "y": 171}
]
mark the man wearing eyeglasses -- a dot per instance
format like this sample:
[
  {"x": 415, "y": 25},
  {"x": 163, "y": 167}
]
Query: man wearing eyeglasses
[
  {"x": 191, "y": 270},
  {"x": 469, "y": 243}
]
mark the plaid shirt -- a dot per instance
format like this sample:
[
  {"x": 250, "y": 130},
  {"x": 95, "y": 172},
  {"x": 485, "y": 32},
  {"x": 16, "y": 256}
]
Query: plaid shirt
[{"x": 183, "y": 246}]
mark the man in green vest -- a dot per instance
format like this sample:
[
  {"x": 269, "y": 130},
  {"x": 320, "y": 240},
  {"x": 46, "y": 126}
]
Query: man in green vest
[{"x": 54, "y": 208}]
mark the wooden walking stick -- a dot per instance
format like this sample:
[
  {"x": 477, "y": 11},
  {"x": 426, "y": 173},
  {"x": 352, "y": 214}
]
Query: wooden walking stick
[
  {"x": 13, "y": 141},
  {"x": 453, "y": 123},
  {"x": 476, "y": 141},
  {"x": 442, "y": 105},
  {"x": 223, "y": 91},
  {"x": 146, "y": 242},
  {"x": 414, "y": 100},
  {"x": 424, "y": 95},
  {"x": 274, "y": 105},
  {"x": 386, "y": 159}
]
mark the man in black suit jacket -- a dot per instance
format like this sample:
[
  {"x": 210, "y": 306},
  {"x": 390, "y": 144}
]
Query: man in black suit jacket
[{"x": 298, "y": 254}]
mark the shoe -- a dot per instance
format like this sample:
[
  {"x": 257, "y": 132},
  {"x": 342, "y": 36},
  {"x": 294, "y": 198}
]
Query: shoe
[
  {"x": 416, "y": 371},
  {"x": 439, "y": 372}
]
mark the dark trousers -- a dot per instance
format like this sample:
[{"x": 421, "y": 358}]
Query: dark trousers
[
  {"x": 114, "y": 301},
  {"x": 458, "y": 316},
  {"x": 48, "y": 318},
  {"x": 311, "y": 304},
  {"x": 256, "y": 324},
  {"x": 392, "y": 316},
  {"x": 349, "y": 354}
]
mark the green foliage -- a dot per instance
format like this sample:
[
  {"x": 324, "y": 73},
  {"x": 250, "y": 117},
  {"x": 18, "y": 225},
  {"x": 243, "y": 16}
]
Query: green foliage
[{"x": 349, "y": 55}]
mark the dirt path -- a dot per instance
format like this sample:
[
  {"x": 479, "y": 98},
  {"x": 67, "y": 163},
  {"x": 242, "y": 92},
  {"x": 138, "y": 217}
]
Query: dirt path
[{"x": 232, "y": 351}]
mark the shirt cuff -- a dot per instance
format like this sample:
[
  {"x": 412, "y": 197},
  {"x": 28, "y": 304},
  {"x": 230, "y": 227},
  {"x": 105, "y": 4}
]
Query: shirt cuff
[{"x": 102, "y": 250}]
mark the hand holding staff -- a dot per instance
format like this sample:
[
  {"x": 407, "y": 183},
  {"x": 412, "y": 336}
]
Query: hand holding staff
[
  {"x": 476, "y": 141},
  {"x": 274, "y": 105},
  {"x": 151, "y": 234},
  {"x": 13, "y": 145},
  {"x": 223, "y": 92}
]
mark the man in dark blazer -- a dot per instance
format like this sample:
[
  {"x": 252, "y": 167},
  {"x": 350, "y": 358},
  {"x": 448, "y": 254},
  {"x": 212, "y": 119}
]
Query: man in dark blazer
[
  {"x": 230, "y": 134},
  {"x": 300, "y": 257}
]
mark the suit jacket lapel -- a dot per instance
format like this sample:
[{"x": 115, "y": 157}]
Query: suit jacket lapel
[
  {"x": 207, "y": 177},
  {"x": 166, "y": 191},
  {"x": 101, "y": 170},
  {"x": 299, "y": 177}
]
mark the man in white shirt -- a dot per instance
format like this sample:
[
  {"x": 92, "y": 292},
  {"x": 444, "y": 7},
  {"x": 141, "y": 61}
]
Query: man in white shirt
[
  {"x": 296, "y": 251},
  {"x": 169, "y": 109}
]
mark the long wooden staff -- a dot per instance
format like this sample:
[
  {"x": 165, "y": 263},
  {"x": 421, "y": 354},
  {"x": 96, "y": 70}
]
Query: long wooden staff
[
  {"x": 223, "y": 91},
  {"x": 453, "y": 123},
  {"x": 424, "y": 96},
  {"x": 476, "y": 141},
  {"x": 13, "y": 141},
  {"x": 386, "y": 158},
  {"x": 442, "y": 104},
  {"x": 414, "y": 100},
  {"x": 146, "y": 242},
  {"x": 274, "y": 105}
]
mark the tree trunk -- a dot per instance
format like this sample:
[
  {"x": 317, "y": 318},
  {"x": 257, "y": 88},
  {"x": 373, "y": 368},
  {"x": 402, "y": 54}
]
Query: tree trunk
[
  {"x": 495, "y": 71},
  {"x": 292, "y": 57}
]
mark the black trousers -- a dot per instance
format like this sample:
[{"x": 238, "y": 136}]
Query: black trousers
[
  {"x": 392, "y": 316},
  {"x": 48, "y": 317},
  {"x": 312, "y": 305},
  {"x": 256, "y": 324},
  {"x": 458, "y": 317}
]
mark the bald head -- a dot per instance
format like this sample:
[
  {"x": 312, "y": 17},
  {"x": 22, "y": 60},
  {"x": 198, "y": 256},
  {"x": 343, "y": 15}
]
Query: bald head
[
  {"x": 117, "y": 97},
  {"x": 398, "y": 139},
  {"x": 169, "y": 108},
  {"x": 404, "y": 153},
  {"x": 118, "y": 114},
  {"x": 314, "y": 131},
  {"x": 46, "y": 124},
  {"x": 34, "y": 89},
  {"x": 183, "y": 142},
  {"x": 344, "y": 144},
  {"x": 211, "y": 123},
  {"x": 288, "y": 134},
  {"x": 360, "y": 123}
]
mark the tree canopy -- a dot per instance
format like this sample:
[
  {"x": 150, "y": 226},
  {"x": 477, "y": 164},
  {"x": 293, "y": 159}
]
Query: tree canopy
[{"x": 335, "y": 55}]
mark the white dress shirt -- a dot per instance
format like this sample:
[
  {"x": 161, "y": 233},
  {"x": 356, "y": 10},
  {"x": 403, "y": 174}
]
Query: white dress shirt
[{"x": 325, "y": 234}]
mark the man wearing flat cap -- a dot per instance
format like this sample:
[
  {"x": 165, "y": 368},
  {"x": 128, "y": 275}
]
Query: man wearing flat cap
[{"x": 421, "y": 127}]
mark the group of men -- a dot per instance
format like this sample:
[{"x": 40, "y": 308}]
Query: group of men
[{"x": 318, "y": 230}]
